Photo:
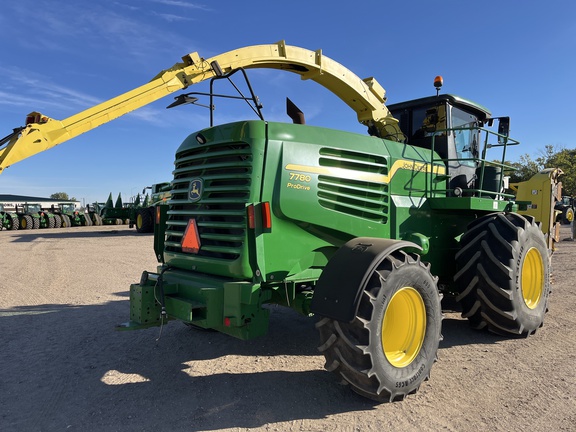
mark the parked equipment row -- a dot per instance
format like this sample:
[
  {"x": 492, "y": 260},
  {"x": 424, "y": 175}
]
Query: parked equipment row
[{"x": 32, "y": 216}]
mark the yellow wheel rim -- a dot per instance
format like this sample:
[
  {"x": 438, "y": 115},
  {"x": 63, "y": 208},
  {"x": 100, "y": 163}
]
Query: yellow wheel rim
[
  {"x": 23, "y": 223},
  {"x": 532, "y": 278},
  {"x": 139, "y": 221},
  {"x": 404, "y": 327}
]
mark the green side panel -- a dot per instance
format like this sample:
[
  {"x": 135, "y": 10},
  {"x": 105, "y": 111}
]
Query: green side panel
[{"x": 328, "y": 186}]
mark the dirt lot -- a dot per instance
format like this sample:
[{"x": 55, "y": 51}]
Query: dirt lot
[{"x": 64, "y": 367}]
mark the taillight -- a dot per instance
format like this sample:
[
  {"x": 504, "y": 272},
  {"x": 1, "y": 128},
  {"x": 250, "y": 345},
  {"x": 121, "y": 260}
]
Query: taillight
[
  {"x": 266, "y": 216},
  {"x": 265, "y": 213}
]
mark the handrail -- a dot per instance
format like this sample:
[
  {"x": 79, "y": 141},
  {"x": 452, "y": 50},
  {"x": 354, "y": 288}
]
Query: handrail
[{"x": 479, "y": 162}]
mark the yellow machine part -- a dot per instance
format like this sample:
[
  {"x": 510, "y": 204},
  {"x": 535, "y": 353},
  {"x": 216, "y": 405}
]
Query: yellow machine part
[
  {"x": 542, "y": 191},
  {"x": 365, "y": 96}
]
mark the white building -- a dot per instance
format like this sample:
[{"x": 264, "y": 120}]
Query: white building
[{"x": 11, "y": 201}]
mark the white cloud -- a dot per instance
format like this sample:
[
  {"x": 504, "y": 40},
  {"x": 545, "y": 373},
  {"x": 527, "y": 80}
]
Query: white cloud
[
  {"x": 183, "y": 4},
  {"x": 173, "y": 18}
]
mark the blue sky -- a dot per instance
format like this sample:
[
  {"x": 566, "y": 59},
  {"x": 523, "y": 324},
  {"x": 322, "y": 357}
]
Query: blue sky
[{"x": 60, "y": 57}]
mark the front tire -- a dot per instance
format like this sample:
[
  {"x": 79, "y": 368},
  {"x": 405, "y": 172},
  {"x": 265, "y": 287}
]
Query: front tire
[
  {"x": 504, "y": 274},
  {"x": 387, "y": 351}
]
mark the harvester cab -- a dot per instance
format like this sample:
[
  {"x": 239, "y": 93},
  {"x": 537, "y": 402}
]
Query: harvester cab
[{"x": 459, "y": 132}]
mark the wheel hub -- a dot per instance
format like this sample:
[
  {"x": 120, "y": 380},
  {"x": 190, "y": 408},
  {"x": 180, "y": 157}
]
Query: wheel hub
[
  {"x": 532, "y": 278},
  {"x": 404, "y": 327}
]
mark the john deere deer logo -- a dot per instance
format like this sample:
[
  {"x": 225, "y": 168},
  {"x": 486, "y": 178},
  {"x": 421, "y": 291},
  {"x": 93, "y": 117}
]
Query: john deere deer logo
[{"x": 195, "y": 191}]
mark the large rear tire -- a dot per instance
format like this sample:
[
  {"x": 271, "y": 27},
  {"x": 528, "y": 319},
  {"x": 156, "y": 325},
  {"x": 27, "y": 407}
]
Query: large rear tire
[
  {"x": 26, "y": 223},
  {"x": 387, "y": 351},
  {"x": 13, "y": 222},
  {"x": 504, "y": 274},
  {"x": 145, "y": 220},
  {"x": 57, "y": 221}
]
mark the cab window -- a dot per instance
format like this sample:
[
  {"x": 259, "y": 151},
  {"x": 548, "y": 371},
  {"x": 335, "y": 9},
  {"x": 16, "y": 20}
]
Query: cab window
[{"x": 466, "y": 139}]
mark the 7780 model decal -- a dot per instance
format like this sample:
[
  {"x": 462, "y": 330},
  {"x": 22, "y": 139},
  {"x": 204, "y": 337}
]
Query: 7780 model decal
[{"x": 364, "y": 176}]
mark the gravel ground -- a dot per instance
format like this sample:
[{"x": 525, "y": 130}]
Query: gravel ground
[{"x": 64, "y": 367}]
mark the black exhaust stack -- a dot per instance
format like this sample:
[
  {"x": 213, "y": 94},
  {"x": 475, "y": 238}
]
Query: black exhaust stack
[{"x": 294, "y": 112}]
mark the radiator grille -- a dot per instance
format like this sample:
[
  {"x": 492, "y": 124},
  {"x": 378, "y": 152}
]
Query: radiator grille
[{"x": 225, "y": 171}]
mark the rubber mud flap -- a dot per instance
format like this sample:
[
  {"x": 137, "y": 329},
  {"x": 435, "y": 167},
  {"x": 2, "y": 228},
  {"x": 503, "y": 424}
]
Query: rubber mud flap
[{"x": 337, "y": 293}]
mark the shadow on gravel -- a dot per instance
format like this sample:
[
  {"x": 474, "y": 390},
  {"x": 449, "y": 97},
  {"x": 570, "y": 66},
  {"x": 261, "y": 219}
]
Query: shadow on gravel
[
  {"x": 30, "y": 236},
  {"x": 64, "y": 367},
  {"x": 458, "y": 332}
]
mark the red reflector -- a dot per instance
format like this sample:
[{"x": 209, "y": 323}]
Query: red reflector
[
  {"x": 266, "y": 216},
  {"x": 226, "y": 322},
  {"x": 250, "y": 211},
  {"x": 191, "y": 240}
]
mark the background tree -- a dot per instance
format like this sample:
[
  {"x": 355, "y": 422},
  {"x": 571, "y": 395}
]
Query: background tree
[
  {"x": 525, "y": 169},
  {"x": 550, "y": 157},
  {"x": 566, "y": 161},
  {"x": 62, "y": 196}
]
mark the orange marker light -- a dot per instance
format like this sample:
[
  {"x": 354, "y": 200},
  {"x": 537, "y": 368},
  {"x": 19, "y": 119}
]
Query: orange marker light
[
  {"x": 191, "y": 240},
  {"x": 157, "y": 218},
  {"x": 438, "y": 81}
]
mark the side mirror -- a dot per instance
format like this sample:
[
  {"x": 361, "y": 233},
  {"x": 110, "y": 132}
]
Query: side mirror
[{"x": 503, "y": 129}]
